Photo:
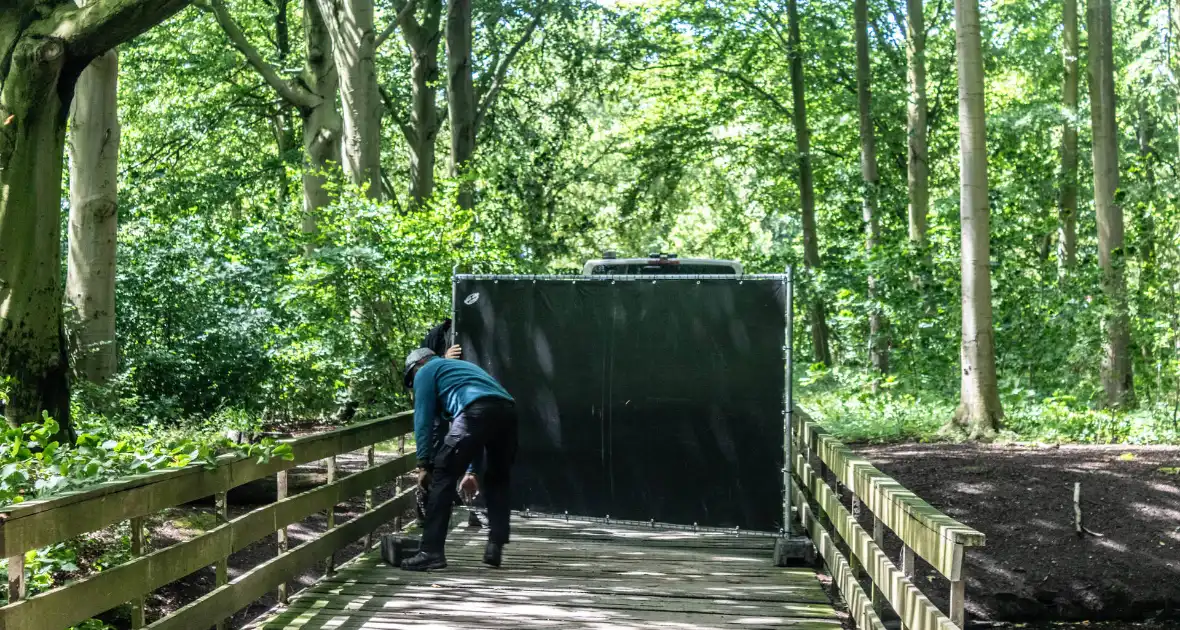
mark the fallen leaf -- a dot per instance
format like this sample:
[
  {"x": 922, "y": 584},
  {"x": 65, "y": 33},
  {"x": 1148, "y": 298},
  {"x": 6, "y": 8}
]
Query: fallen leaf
[
  {"x": 1127, "y": 457},
  {"x": 1174, "y": 470}
]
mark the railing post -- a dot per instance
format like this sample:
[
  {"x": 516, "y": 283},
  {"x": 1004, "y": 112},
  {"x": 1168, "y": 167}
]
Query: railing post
[
  {"x": 879, "y": 539},
  {"x": 16, "y": 578},
  {"x": 857, "y": 568},
  {"x": 958, "y": 593},
  {"x": 138, "y": 614},
  {"x": 397, "y": 485},
  {"x": 280, "y": 494},
  {"x": 370, "y": 461},
  {"x": 331, "y": 567},
  {"x": 221, "y": 504},
  {"x": 907, "y": 569}
]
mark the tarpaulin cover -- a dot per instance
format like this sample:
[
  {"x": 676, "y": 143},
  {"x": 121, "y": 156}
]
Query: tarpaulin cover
[{"x": 638, "y": 399}]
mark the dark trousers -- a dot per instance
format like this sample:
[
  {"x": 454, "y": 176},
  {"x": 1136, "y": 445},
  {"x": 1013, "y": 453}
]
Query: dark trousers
[{"x": 488, "y": 425}]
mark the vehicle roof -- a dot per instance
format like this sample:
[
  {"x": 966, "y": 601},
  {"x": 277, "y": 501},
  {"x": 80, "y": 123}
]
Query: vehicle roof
[{"x": 704, "y": 262}]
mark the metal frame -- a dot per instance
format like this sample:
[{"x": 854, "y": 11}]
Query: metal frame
[
  {"x": 454, "y": 301},
  {"x": 650, "y": 524},
  {"x": 788, "y": 394},
  {"x": 629, "y": 277},
  {"x": 788, "y": 401}
]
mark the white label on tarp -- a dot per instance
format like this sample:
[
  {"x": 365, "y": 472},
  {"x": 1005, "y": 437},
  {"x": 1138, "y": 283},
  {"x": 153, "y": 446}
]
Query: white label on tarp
[{"x": 471, "y": 299}]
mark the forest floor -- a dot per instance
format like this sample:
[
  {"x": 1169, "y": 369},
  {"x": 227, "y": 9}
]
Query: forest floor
[{"x": 1034, "y": 567}]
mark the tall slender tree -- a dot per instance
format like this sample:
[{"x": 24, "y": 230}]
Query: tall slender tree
[
  {"x": 878, "y": 333},
  {"x": 422, "y": 37},
  {"x": 350, "y": 26},
  {"x": 47, "y": 45},
  {"x": 916, "y": 112},
  {"x": 1117, "y": 378},
  {"x": 1068, "y": 210},
  {"x": 93, "y": 224},
  {"x": 811, "y": 260},
  {"x": 460, "y": 93},
  {"x": 466, "y": 107},
  {"x": 979, "y": 397},
  {"x": 313, "y": 94}
]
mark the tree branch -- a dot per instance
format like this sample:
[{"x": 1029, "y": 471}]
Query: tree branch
[
  {"x": 489, "y": 99},
  {"x": 101, "y": 25},
  {"x": 736, "y": 76},
  {"x": 775, "y": 26},
  {"x": 404, "y": 17},
  {"x": 290, "y": 92},
  {"x": 937, "y": 17},
  {"x": 897, "y": 16},
  {"x": 391, "y": 108},
  {"x": 754, "y": 87}
]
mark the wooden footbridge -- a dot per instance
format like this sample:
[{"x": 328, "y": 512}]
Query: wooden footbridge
[{"x": 559, "y": 572}]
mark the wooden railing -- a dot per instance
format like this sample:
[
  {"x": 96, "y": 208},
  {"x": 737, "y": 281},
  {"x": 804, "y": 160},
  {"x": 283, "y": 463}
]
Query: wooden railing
[
  {"x": 38, "y": 523},
  {"x": 923, "y": 530}
]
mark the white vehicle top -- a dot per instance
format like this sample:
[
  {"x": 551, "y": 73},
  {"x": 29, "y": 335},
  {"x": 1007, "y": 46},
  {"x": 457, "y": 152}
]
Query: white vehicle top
[{"x": 659, "y": 264}]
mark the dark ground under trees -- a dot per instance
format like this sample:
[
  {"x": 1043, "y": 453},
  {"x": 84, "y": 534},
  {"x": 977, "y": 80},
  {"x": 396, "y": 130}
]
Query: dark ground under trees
[{"x": 1034, "y": 567}]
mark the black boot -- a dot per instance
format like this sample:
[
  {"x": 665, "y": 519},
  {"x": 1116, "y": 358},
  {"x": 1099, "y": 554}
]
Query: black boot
[
  {"x": 425, "y": 561},
  {"x": 491, "y": 554},
  {"x": 473, "y": 520}
]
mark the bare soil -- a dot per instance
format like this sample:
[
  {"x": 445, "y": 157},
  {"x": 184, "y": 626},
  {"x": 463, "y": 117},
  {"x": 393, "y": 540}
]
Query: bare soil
[{"x": 1035, "y": 568}]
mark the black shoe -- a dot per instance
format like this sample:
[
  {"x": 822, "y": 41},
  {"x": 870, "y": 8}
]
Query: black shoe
[
  {"x": 473, "y": 520},
  {"x": 425, "y": 561},
  {"x": 491, "y": 554}
]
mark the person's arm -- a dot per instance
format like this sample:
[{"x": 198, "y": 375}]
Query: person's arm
[
  {"x": 470, "y": 482},
  {"x": 476, "y": 463},
  {"x": 425, "y": 410}
]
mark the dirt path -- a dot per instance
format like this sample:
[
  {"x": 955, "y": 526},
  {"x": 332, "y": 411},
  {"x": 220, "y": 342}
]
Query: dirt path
[{"x": 1034, "y": 567}]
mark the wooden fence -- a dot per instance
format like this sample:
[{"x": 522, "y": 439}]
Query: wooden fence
[
  {"x": 39, "y": 523},
  {"x": 924, "y": 532}
]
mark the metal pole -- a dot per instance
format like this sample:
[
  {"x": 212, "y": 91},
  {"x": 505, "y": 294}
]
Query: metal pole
[
  {"x": 790, "y": 403},
  {"x": 454, "y": 303}
]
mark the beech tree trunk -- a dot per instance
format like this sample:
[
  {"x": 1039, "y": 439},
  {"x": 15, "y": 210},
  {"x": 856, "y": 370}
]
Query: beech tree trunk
[
  {"x": 919, "y": 168},
  {"x": 322, "y": 124},
  {"x": 1068, "y": 211},
  {"x": 423, "y": 39},
  {"x": 93, "y": 225},
  {"x": 46, "y": 53},
  {"x": 878, "y": 334},
  {"x": 468, "y": 109},
  {"x": 314, "y": 95},
  {"x": 979, "y": 403},
  {"x": 460, "y": 94},
  {"x": 350, "y": 25},
  {"x": 1117, "y": 378},
  {"x": 811, "y": 260},
  {"x": 1145, "y": 134}
]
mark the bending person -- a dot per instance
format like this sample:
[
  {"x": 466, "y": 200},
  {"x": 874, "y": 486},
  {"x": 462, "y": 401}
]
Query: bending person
[
  {"x": 484, "y": 419},
  {"x": 441, "y": 339}
]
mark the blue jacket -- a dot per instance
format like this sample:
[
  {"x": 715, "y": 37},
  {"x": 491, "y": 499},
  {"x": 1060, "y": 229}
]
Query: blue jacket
[{"x": 455, "y": 384}]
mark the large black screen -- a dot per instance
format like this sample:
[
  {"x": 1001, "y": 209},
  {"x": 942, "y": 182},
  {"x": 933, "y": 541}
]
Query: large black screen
[{"x": 638, "y": 399}]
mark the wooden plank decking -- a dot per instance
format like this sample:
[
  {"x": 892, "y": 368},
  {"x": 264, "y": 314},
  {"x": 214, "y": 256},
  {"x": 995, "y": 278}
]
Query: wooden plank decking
[{"x": 569, "y": 574}]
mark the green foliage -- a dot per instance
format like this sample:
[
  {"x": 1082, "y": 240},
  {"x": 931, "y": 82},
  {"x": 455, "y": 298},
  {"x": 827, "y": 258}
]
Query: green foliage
[
  {"x": 843, "y": 401},
  {"x": 636, "y": 126},
  {"x": 35, "y": 466},
  {"x": 376, "y": 280}
]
